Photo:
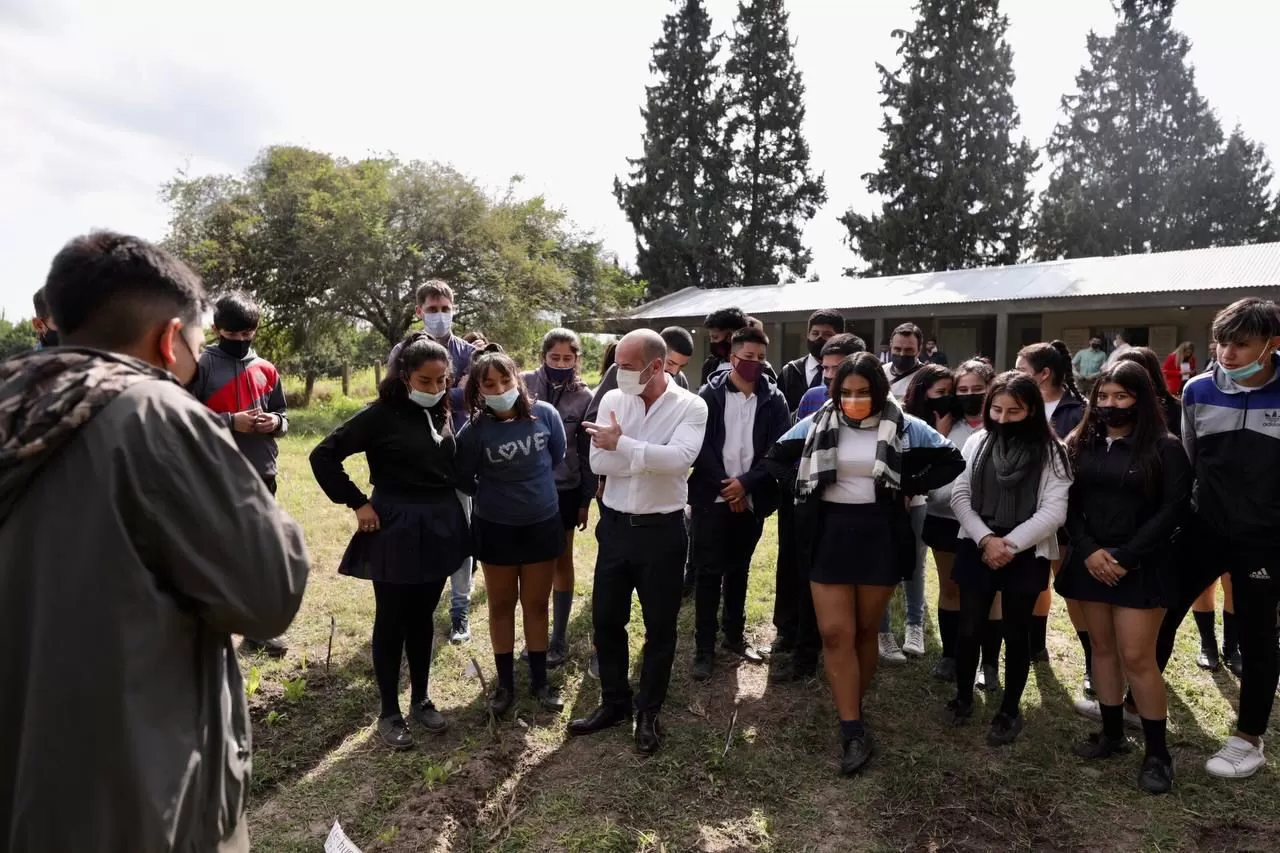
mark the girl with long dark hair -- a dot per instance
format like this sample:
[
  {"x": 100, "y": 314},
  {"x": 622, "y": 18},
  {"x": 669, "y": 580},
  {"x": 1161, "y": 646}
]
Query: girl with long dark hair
[
  {"x": 507, "y": 456},
  {"x": 1169, "y": 405},
  {"x": 411, "y": 534},
  {"x": 1131, "y": 491},
  {"x": 1010, "y": 502},
  {"x": 859, "y": 458},
  {"x": 558, "y": 383}
]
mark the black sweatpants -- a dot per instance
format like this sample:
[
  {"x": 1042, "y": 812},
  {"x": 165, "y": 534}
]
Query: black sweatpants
[
  {"x": 721, "y": 548},
  {"x": 975, "y": 607},
  {"x": 402, "y": 624},
  {"x": 1257, "y": 601},
  {"x": 644, "y": 555},
  {"x": 786, "y": 574}
]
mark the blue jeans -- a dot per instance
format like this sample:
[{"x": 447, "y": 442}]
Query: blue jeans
[
  {"x": 461, "y": 580},
  {"x": 914, "y": 588}
]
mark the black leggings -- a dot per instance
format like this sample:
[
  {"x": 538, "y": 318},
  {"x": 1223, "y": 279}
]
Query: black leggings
[
  {"x": 402, "y": 623},
  {"x": 975, "y": 607}
]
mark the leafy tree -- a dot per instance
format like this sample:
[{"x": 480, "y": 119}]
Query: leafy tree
[
  {"x": 953, "y": 176},
  {"x": 1240, "y": 205},
  {"x": 16, "y": 337},
  {"x": 676, "y": 196},
  {"x": 772, "y": 191}
]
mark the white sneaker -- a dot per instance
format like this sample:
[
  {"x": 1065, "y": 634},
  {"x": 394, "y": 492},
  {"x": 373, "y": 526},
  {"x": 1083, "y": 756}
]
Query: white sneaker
[
  {"x": 1091, "y": 710},
  {"x": 914, "y": 643},
  {"x": 889, "y": 649},
  {"x": 1239, "y": 759}
]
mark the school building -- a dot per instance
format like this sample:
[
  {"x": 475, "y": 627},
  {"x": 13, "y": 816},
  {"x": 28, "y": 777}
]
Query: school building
[{"x": 1156, "y": 300}]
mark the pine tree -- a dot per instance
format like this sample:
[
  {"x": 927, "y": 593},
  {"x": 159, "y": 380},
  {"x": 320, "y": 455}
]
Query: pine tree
[
  {"x": 1139, "y": 162},
  {"x": 953, "y": 175},
  {"x": 676, "y": 195},
  {"x": 773, "y": 192}
]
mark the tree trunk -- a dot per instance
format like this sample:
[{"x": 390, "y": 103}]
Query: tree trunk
[
  {"x": 346, "y": 380},
  {"x": 377, "y": 374},
  {"x": 308, "y": 389}
]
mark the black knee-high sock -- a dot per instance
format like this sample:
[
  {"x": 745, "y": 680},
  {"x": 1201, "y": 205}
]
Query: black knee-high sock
[
  {"x": 992, "y": 637},
  {"x": 1039, "y": 634},
  {"x": 948, "y": 626},
  {"x": 1154, "y": 732},
  {"x": 388, "y": 646},
  {"x": 1207, "y": 627},
  {"x": 506, "y": 664},
  {"x": 1230, "y": 634},
  {"x": 1083, "y": 636},
  {"x": 974, "y": 606},
  {"x": 417, "y": 648},
  {"x": 561, "y": 606},
  {"x": 1017, "y": 648},
  {"x": 537, "y": 669}
]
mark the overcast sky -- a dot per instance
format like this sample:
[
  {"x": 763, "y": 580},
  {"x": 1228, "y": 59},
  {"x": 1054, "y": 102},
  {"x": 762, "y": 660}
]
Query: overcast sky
[{"x": 102, "y": 100}]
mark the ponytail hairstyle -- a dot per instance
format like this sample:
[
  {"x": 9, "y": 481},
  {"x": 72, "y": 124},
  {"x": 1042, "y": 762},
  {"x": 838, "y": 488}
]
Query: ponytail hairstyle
[
  {"x": 415, "y": 350},
  {"x": 916, "y": 401},
  {"x": 1023, "y": 388},
  {"x": 1056, "y": 358},
  {"x": 492, "y": 357},
  {"x": 1148, "y": 427}
]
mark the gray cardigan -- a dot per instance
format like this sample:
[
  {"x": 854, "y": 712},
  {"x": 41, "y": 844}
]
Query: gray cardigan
[{"x": 571, "y": 401}]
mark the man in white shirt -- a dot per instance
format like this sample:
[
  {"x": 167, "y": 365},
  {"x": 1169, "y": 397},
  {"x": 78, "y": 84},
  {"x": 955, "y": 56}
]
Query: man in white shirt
[
  {"x": 647, "y": 435},
  {"x": 904, "y": 358}
]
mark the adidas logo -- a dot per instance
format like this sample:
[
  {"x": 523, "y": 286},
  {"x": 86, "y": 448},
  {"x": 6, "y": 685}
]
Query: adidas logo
[{"x": 1260, "y": 575}]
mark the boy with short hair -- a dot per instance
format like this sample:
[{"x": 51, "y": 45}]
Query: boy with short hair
[
  {"x": 245, "y": 391},
  {"x": 1231, "y": 430},
  {"x": 805, "y": 372}
]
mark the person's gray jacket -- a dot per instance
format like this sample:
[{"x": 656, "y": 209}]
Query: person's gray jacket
[
  {"x": 572, "y": 403},
  {"x": 137, "y": 539}
]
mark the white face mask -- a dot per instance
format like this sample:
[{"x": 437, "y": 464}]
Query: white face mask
[
  {"x": 425, "y": 400},
  {"x": 632, "y": 382},
  {"x": 438, "y": 324}
]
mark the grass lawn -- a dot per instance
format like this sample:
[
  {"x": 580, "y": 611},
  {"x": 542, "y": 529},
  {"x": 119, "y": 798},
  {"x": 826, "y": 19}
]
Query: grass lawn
[{"x": 522, "y": 786}]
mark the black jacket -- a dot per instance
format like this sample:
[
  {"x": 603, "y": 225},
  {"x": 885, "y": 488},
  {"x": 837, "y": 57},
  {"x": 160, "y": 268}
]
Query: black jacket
[
  {"x": 772, "y": 420},
  {"x": 1069, "y": 413},
  {"x": 794, "y": 381}
]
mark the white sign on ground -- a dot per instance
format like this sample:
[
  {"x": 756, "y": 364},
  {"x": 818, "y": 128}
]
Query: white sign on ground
[{"x": 337, "y": 842}]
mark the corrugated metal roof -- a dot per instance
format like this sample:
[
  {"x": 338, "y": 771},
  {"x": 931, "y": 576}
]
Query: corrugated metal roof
[{"x": 1195, "y": 269}]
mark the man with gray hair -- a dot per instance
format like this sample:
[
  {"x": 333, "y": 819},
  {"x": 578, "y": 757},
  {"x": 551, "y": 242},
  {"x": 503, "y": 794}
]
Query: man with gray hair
[{"x": 646, "y": 436}]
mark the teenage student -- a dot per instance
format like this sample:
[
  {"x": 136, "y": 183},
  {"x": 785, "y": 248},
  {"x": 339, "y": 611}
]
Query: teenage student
[
  {"x": 941, "y": 531},
  {"x": 805, "y": 372},
  {"x": 1231, "y": 432},
  {"x": 860, "y": 458},
  {"x": 732, "y": 494},
  {"x": 834, "y": 352},
  {"x": 1169, "y": 405},
  {"x": 411, "y": 534},
  {"x": 507, "y": 456},
  {"x": 1130, "y": 492},
  {"x": 558, "y": 383},
  {"x": 1010, "y": 502},
  {"x": 1050, "y": 365}
]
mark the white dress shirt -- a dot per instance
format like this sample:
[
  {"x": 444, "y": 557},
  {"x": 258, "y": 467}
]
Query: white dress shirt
[
  {"x": 812, "y": 367},
  {"x": 739, "y": 426},
  {"x": 649, "y": 471}
]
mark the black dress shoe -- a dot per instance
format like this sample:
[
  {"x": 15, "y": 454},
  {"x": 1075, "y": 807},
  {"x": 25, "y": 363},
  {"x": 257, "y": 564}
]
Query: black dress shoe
[
  {"x": 549, "y": 698},
  {"x": 500, "y": 701},
  {"x": 743, "y": 649},
  {"x": 648, "y": 733},
  {"x": 1235, "y": 662},
  {"x": 792, "y": 671},
  {"x": 783, "y": 645},
  {"x": 704, "y": 662},
  {"x": 605, "y": 717},
  {"x": 855, "y": 752},
  {"x": 1208, "y": 659}
]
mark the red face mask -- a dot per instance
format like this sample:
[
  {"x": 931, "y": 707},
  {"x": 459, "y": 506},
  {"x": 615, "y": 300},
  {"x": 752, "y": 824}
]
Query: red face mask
[{"x": 749, "y": 370}]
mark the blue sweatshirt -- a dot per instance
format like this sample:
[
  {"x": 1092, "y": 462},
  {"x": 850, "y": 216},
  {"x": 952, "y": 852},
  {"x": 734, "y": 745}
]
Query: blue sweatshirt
[{"x": 510, "y": 466}]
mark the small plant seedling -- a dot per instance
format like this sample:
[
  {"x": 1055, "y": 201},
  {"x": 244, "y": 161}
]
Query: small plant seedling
[
  {"x": 434, "y": 775},
  {"x": 274, "y": 717},
  {"x": 253, "y": 681},
  {"x": 304, "y": 660},
  {"x": 295, "y": 689},
  {"x": 389, "y": 835}
]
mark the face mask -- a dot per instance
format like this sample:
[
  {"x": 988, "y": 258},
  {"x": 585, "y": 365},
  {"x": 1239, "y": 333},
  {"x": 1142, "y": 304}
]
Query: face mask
[
  {"x": 903, "y": 364},
  {"x": 632, "y": 382},
  {"x": 944, "y": 405},
  {"x": 235, "y": 349},
  {"x": 425, "y": 400},
  {"x": 815, "y": 348},
  {"x": 1013, "y": 430},
  {"x": 559, "y": 375},
  {"x": 1249, "y": 371},
  {"x": 504, "y": 402},
  {"x": 970, "y": 405},
  {"x": 1095, "y": 345},
  {"x": 1114, "y": 416},
  {"x": 749, "y": 370},
  {"x": 438, "y": 324},
  {"x": 856, "y": 408},
  {"x": 720, "y": 350},
  {"x": 49, "y": 338}
]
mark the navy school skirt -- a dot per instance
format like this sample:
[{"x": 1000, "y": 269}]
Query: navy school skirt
[
  {"x": 855, "y": 545},
  {"x": 422, "y": 538},
  {"x": 941, "y": 534},
  {"x": 498, "y": 544},
  {"x": 1026, "y": 573}
]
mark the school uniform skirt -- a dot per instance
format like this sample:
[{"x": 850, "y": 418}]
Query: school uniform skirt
[
  {"x": 499, "y": 544},
  {"x": 1145, "y": 588},
  {"x": 421, "y": 538},
  {"x": 1025, "y": 573},
  {"x": 941, "y": 534},
  {"x": 855, "y": 544}
]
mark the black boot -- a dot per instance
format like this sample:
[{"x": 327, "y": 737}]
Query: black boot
[
  {"x": 648, "y": 733},
  {"x": 605, "y": 717}
]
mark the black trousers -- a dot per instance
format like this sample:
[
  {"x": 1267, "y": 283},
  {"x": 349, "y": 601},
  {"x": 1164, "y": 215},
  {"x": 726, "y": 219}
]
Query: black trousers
[
  {"x": 402, "y": 626},
  {"x": 787, "y": 580},
  {"x": 270, "y": 481},
  {"x": 721, "y": 548},
  {"x": 645, "y": 556}
]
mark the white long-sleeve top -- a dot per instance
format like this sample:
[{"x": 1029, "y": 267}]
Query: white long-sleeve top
[{"x": 1040, "y": 531}]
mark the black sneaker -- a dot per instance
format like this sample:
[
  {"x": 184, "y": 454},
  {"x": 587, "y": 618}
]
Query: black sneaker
[
  {"x": 956, "y": 712},
  {"x": 792, "y": 671},
  {"x": 1208, "y": 659},
  {"x": 855, "y": 752},
  {"x": 549, "y": 698},
  {"x": 461, "y": 632},
  {"x": 945, "y": 669},
  {"x": 988, "y": 678},
  {"x": 1156, "y": 776},
  {"x": 273, "y": 648},
  {"x": 556, "y": 656},
  {"x": 742, "y": 649},
  {"x": 1235, "y": 663},
  {"x": 704, "y": 663},
  {"x": 425, "y": 714},
  {"x": 1040, "y": 655},
  {"x": 500, "y": 701},
  {"x": 1004, "y": 729},
  {"x": 1098, "y": 746},
  {"x": 394, "y": 732}
]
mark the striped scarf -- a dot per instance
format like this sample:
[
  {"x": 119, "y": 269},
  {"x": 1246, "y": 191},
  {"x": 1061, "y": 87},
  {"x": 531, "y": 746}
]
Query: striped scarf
[{"x": 818, "y": 459}]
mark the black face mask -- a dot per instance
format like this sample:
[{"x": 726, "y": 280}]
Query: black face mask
[
  {"x": 815, "y": 348},
  {"x": 1013, "y": 431},
  {"x": 904, "y": 364},
  {"x": 49, "y": 338},
  {"x": 943, "y": 406},
  {"x": 1114, "y": 416},
  {"x": 1095, "y": 345},
  {"x": 720, "y": 349},
  {"x": 235, "y": 349},
  {"x": 969, "y": 405}
]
